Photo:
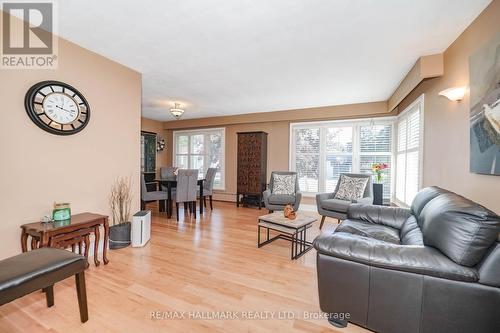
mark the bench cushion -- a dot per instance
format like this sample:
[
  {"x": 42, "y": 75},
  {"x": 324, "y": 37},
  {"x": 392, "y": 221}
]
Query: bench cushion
[{"x": 37, "y": 269}]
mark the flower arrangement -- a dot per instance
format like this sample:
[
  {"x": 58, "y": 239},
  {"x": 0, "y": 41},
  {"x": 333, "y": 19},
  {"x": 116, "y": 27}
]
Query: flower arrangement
[{"x": 378, "y": 169}]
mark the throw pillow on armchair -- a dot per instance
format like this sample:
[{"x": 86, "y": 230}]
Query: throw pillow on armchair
[
  {"x": 351, "y": 188},
  {"x": 284, "y": 184}
]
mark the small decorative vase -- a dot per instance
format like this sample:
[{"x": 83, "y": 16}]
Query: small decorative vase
[{"x": 378, "y": 194}]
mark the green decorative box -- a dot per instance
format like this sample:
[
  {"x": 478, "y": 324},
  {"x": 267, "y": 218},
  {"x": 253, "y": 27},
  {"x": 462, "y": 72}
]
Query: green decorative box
[{"x": 61, "y": 212}]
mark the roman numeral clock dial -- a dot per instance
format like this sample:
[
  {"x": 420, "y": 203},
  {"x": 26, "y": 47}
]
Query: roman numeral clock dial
[{"x": 57, "y": 107}]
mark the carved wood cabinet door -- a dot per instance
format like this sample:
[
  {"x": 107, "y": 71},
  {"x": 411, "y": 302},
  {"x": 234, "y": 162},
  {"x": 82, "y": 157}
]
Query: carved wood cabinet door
[{"x": 250, "y": 162}]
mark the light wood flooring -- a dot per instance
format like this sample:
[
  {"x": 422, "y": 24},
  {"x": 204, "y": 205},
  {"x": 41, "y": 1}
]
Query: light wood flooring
[{"x": 196, "y": 266}]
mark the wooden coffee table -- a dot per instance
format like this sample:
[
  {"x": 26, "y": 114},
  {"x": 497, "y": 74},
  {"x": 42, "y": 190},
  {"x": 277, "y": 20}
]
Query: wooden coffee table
[{"x": 294, "y": 231}]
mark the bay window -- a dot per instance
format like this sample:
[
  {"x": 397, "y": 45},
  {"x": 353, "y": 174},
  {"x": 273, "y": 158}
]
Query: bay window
[{"x": 320, "y": 152}]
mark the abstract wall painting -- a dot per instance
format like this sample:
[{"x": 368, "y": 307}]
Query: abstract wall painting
[{"x": 484, "y": 69}]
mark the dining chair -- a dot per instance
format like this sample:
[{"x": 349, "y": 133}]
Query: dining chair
[
  {"x": 151, "y": 195},
  {"x": 185, "y": 192},
  {"x": 166, "y": 172},
  {"x": 208, "y": 186}
]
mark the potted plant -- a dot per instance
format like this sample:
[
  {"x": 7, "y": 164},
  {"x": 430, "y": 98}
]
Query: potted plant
[
  {"x": 120, "y": 200},
  {"x": 378, "y": 187}
]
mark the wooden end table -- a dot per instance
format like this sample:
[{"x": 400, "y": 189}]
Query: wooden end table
[
  {"x": 294, "y": 231},
  {"x": 43, "y": 233}
]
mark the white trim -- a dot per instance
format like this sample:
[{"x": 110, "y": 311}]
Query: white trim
[
  {"x": 175, "y": 133},
  {"x": 340, "y": 121},
  {"x": 420, "y": 101}
]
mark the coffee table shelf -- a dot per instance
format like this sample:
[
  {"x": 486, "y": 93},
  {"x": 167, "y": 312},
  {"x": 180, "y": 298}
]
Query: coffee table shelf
[{"x": 294, "y": 231}]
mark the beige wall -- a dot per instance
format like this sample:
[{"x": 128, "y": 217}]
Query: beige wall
[
  {"x": 149, "y": 125},
  {"x": 446, "y": 139},
  {"x": 38, "y": 168},
  {"x": 277, "y": 125}
]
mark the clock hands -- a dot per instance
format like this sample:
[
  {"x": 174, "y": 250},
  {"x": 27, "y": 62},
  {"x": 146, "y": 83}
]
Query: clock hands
[{"x": 70, "y": 111}]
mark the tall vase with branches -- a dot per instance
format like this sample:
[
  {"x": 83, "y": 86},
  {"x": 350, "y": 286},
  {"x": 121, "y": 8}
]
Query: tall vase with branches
[{"x": 120, "y": 199}]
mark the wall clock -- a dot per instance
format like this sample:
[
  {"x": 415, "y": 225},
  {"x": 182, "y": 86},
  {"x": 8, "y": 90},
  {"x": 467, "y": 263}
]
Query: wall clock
[{"x": 57, "y": 107}]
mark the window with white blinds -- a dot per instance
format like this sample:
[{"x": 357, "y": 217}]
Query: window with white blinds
[
  {"x": 376, "y": 147},
  {"x": 201, "y": 149},
  {"x": 408, "y": 152},
  {"x": 320, "y": 152},
  {"x": 306, "y": 149}
]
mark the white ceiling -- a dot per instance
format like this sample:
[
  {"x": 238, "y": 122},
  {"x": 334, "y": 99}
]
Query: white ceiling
[{"x": 225, "y": 57}]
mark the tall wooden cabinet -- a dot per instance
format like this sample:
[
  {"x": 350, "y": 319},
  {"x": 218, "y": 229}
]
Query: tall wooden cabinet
[{"x": 252, "y": 167}]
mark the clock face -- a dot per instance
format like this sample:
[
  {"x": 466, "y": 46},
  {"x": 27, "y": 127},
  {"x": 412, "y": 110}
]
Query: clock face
[
  {"x": 60, "y": 108},
  {"x": 57, "y": 107}
]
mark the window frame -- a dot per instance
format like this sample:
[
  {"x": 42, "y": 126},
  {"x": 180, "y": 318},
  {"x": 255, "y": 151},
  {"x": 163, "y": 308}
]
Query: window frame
[
  {"x": 356, "y": 124},
  {"x": 421, "y": 102},
  {"x": 203, "y": 131}
]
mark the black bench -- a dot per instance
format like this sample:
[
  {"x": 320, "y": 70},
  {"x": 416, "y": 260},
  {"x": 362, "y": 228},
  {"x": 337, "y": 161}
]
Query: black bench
[{"x": 40, "y": 269}]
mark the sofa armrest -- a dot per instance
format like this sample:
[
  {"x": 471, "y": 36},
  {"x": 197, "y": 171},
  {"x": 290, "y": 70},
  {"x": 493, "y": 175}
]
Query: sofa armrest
[
  {"x": 412, "y": 259},
  {"x": 393, "y": 217}
]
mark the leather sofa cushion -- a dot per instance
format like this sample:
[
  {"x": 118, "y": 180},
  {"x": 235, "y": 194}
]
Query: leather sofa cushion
[
  {"x": 393, "y": 217},
  {"x": 460, "y": 228},
  {"x": 410, "y": 232},
  {"x": 370, "y": 230},
  {"x": 423, "y": 197},
  {"x": 281, "y": 199},
  {"x": 489, "y": 268},
  {"x": 372, "y": 252},
  {"x": 336, "y": 205}
]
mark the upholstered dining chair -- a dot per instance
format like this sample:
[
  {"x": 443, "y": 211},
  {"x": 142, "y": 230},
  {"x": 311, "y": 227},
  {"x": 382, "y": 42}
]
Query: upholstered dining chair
[
  {"x": 186, "y": 190},
  {"x": 277, "y": 200},
  {"x": 208, "y": 186},
  {"x": 167, "y": 172},
  {"x": 151, "y": 196},
  {"x": 329, "y": 206}
]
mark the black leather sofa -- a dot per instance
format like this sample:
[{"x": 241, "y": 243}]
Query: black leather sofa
[{"x": 432, "y": 268}]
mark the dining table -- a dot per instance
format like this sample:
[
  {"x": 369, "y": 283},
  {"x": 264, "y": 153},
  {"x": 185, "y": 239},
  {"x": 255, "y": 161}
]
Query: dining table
[{"x": 171, "y": 182}]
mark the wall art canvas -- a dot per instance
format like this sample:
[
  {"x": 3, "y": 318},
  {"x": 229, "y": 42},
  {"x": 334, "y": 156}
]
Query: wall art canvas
[{"x": 484, "y": 68}]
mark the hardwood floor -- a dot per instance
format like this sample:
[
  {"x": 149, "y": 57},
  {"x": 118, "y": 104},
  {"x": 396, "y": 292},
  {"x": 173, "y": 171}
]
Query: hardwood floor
[{"x": 197, "y": 266}]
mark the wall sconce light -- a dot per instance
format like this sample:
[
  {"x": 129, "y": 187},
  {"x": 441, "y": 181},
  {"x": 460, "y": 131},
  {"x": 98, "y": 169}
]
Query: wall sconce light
[
  {"x": 160, "y": 144},
  {"x": 453, "y": 94}
]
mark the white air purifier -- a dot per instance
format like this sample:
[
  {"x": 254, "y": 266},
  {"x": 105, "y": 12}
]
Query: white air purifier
[{"x": 141, "y": 228}]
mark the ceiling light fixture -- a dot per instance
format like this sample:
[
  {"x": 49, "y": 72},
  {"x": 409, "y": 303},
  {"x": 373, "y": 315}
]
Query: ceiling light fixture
[
  {"x": 453, "y": 94},
  {"x": 176, "y": 111}
]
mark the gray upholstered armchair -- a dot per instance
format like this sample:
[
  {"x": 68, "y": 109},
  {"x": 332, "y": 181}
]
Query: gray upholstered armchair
[
  {"x": 274, "y": 201},
  {"x": 337, "y": 208}
]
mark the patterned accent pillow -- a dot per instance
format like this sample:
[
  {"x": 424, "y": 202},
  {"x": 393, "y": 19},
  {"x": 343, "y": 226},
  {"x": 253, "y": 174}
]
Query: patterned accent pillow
[
  {"x": 351, "y": 188},
  {"x": 284, "y": 184}
]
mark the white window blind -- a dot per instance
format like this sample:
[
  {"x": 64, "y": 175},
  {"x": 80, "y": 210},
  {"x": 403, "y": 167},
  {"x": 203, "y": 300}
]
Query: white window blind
[
  {"x": 306, "y": 150},
  {"x": 201, "y": 149},
  {"x": 408, "y": 153},
  {"x": 320, "y": 152},
  {"x": 338, "y": 143}
]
